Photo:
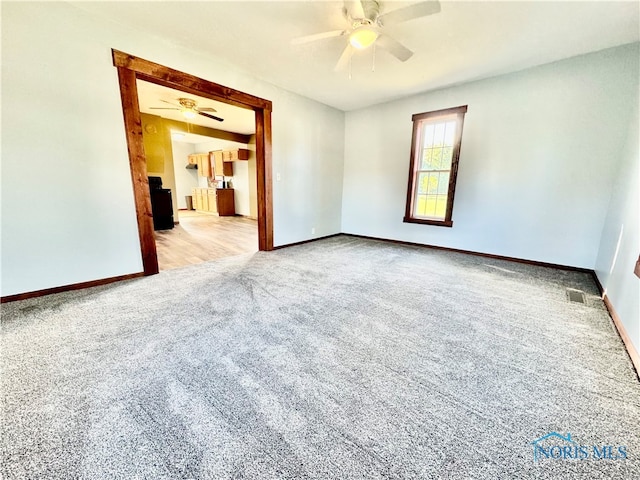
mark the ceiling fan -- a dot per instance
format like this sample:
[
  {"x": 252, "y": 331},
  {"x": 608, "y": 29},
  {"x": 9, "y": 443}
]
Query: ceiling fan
[
  {"x": 366, "y": 27},
  {"x": 189, "y": 109}
]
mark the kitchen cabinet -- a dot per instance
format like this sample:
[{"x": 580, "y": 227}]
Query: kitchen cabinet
[
  {"x": 214, "y": 200},
  {"x": 226, "y": 202},
  {"x": 213, "y": 203},
  {"x": 197, "y": 199},
  {"x": 234, "y": 155},
  {"x": 205, "y": 200},
  {"x": 238, "y": 154},
  {"x": 220, "y": 167},
  {"x": 204, "y": 165}
]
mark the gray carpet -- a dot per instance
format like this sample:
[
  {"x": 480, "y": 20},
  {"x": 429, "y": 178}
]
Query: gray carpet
[{"x": 343, "y": 358}]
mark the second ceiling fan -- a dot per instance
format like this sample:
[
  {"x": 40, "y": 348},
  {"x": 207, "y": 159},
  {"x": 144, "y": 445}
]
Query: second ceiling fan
[
  {"x": 189, "y": 109},
  {"x": 366, "y": 28}
]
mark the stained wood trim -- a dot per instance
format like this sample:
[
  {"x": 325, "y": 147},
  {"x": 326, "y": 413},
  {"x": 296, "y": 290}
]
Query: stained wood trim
[
  {"x": 168, "y": 77},
  {"x": 440, "y": 113},
  {"x": 416, "y": 136},
  {"x": 598, "y": 284},
  {"x": 131, "y": 68},
  {"x": 265, "y": 181},
  {"x": 138, "y": 166},
  {"x": 626, "y": 340},
  {"x": 67, "y": 288},
  {"x": 307, "y": 241},
  {"x": 424, "y": 221},
  {"x": 479, "y": 254}
]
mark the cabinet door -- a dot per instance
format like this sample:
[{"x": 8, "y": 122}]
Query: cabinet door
[
  {"x": 205, "y": 200},
  {"x": 207, "y": 165},
  {"x": 219, "y": 164},
  {"x": 198, "y": 199},
  {"x": 211, "y": 195},
  {"x": 226, "y": 202},
  {"x": 227, "y": 169},
  {"x": 192, "y": 159}
]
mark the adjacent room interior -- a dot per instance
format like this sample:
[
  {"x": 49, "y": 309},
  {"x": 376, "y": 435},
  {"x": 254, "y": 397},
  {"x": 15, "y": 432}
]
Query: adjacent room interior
[
  {"x": 332, "y": 239},
  {"x": 200, "y": 155}
]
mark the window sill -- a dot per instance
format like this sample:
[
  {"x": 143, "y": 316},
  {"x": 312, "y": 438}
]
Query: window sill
[{"x": 424, "y": 221}]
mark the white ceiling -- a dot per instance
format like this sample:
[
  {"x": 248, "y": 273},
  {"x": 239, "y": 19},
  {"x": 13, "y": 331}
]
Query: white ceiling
[
  {"x": 465, "y": 41},
  {"x": 236, "y": 119}
]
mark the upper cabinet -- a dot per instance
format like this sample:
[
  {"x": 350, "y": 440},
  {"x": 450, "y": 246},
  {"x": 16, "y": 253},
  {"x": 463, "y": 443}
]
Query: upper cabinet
[
  {"x": 202, "y": 161},
  {"x": 217, "y": 162},
  {"x": 220, "y": 167},
  {"x": 239, "y": 154}
]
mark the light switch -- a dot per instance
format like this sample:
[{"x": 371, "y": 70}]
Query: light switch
[{"x": 277, "y": 177}]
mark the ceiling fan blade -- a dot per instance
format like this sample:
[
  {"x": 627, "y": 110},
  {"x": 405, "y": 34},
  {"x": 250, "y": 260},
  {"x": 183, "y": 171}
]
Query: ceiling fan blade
[
  {"x": 354, "y": 8},
  {"x": 347, "y": 53},
  {"x": 416, "y": 10},
  {"x": 206, "y": 109},
  {"x": 394, "y": 47},
  {"x": 211, "y": 116},
  {"x": 179, "y": 106},
  {"x": 163, "y": 108},
  {"x": 317, "y": 36}
]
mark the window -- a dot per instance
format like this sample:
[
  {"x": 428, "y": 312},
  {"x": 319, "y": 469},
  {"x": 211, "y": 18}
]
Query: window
[{"x": 435, "y": 149}]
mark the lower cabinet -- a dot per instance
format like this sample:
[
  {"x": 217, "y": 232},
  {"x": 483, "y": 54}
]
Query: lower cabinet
[
  {"x": 226, "y": 202},
  {"x": 214, "y": 200},
  {"x": 211, "y": 196}
]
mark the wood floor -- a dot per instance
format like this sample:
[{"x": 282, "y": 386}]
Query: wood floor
[{"x": 200, "y": 237}]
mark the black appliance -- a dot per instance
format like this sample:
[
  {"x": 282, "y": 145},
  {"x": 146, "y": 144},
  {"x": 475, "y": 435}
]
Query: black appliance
[{"x": 161, "y": 204}]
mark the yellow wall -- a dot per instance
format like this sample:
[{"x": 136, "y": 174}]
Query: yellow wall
[{"x": 156, "y": 136}]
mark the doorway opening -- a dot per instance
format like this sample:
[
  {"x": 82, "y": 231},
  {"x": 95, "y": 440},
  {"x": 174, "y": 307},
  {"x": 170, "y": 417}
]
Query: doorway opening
[
  {"x": 206, "y": 165},
  {"x": 130, "y": 69}
]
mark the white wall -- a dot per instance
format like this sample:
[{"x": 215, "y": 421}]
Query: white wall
[
  {"x": 538, "y": 160},
  {"x": 58, "y": 80},
  {"x": 620, "y": 242},
  {"x": 186, "y": 178}
]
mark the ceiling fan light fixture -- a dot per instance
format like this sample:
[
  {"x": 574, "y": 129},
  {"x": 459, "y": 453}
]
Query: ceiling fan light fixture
[
  {"x": 363, "y": 37},
  {"x": 188, "y": 113}
]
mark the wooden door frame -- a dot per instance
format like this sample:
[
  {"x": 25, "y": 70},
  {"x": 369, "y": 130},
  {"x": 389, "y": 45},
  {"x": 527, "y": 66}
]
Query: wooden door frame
[{"x": 131, "y": 68}]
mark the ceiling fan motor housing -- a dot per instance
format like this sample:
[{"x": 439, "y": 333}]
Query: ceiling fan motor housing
[
  {"x": 371, "y": 9},
  {"x": 187, "y": 103}
]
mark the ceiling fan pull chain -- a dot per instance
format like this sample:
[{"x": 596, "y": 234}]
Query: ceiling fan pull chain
[{"x": 373, "y": 59}]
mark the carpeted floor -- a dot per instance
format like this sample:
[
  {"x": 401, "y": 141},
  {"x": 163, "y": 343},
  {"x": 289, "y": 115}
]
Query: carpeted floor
[{"x": 343, "y": 358}]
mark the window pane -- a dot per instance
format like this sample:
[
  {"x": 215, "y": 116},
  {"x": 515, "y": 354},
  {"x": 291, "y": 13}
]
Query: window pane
[
  {"x": 441, "y": 206},
  {"x": 450, "y": 133},
  {"x": 423, "y": 179},
  {"x": 443, "y": 183},
  {"x": 433, "y": 183},
  {"x": 432, "y": 165},
  {"x": 438, "y": 135},
  {"x": 428, "y": 136},
  {"x": 436, "y": 159},
  {"x": 421, "y": 205},
  {"x": 430, "y": 209},
  {"x": 447, "y": 155},
  {"x": 426, "y": 159}
]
